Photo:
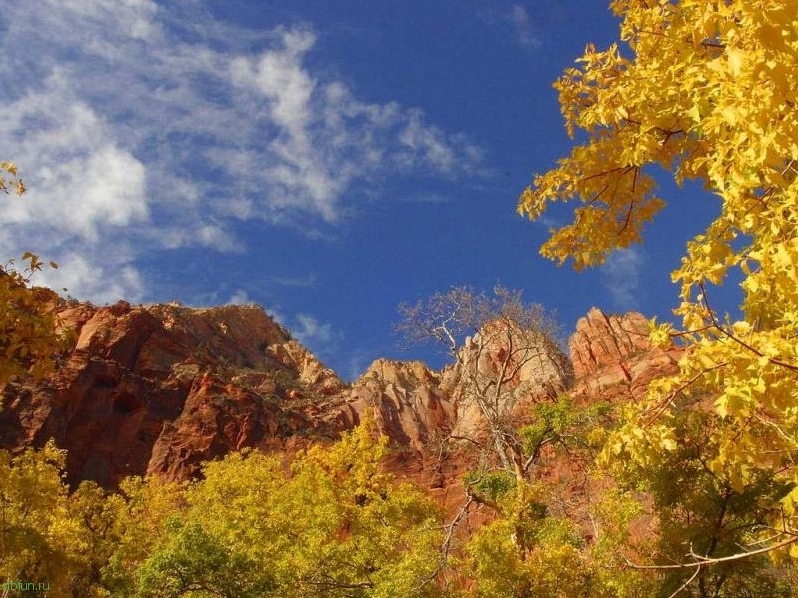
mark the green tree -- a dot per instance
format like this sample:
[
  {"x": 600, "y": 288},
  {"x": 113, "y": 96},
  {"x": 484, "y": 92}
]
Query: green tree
[
  {"x": 139, "y": 515},
  {"x": 697, "y": 512}
]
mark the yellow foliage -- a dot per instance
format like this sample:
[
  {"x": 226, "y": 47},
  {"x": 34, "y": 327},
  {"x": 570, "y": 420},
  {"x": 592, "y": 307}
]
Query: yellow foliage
[
  {"x": 9, "y": 178},
  {"x": 28, "y": 337},
  {"x": 333, "y": 525},
  {"x": 708, "y": 92},
  {"x": 47, "y": 535},
  {"x": 28, "y": 323}
]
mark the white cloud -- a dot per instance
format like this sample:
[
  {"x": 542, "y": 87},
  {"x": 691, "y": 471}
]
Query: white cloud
[
  {"x": 279, "y": 76},
  {"x": 103, "y": 284},
  {"x": 240, "y": 297},
  {"x": 312, "y": 333},
  {"x": 525, "y": 33},
  {"x": 427, "y": 144},
  {"x": 513, "y": 20},
  {"x": 81, "y": 179},
  {"x": 138, "y": 129},
  {"x": 622, "y": 274},
  {"x": 326, "y": 139}
]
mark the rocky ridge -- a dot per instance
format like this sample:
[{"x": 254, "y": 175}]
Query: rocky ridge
[
  {"x": 159, "y": 389},
  {"x": 613, "y": 358}
]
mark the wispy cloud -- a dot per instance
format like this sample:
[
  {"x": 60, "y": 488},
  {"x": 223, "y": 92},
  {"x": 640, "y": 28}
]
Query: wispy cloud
[
  {"x": 139, "y": 130},
  {"x": 525, "y": 33},
  {"x": 313, "y": 333},
  {"x": 320, "y": 337},
  {"x": 239, "y": 297},
  {"x": 622, "y": 275},
  {"x": 513, "y": 20}
]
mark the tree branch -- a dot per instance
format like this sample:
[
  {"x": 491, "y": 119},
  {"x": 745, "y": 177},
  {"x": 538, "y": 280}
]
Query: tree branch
[{"x": 704, "y": 560}]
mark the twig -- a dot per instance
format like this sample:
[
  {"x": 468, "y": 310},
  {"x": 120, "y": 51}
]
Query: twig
[
  {"x": 687, "y": 583},
  {"x": 704, "y": 560}
]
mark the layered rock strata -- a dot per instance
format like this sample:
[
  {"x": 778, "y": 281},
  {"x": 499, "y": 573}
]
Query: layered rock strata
[{"x": 613, "y": 358}]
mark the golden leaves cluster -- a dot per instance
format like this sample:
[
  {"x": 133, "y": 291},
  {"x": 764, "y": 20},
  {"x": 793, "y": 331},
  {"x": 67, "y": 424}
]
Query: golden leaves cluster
[
  {"x": 28, "y": 323},
  {"x": 10, "y": 179},
  {"x": 709, "y": 92}
]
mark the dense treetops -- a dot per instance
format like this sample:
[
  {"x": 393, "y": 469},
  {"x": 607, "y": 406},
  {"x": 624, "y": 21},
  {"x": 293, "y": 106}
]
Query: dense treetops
[{"x": 707, "y": 91}]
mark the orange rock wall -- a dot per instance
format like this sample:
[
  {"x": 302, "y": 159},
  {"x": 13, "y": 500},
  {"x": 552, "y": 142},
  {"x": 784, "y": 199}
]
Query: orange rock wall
[{"x": 161, "y": 388}]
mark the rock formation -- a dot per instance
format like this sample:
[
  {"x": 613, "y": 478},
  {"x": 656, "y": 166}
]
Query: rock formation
[
  {"x": 161, "y": 388},
  {"x": 613, "y": 358},
  {"x": 522, "y": 366},
  {"x": 409, "y": 406}
]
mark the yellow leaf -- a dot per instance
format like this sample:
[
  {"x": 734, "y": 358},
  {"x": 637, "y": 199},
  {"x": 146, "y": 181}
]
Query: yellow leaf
[{"x": 735, "y": 58}]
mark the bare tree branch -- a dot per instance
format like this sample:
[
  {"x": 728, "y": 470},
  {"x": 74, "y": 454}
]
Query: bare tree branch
[
  {"x": 703, "y": 561},
  {"x": 492, "y": 338}
]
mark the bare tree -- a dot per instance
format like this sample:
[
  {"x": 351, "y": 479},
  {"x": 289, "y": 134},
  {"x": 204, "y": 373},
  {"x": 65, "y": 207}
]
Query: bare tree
[{"x": 499, "y": 344}]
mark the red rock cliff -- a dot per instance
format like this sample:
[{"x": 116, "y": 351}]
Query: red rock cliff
[
  {"x": 161, "y": 388},
  {"x": 613, "y": 358}
]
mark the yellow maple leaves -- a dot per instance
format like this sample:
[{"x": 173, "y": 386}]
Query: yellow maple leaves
[
  {"x": 28, "y": 323},
  {"x": 9, "y": 169},
  {"x": 708, "y": 92}
]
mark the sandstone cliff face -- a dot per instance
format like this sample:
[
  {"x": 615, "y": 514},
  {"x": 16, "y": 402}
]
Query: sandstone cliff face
[
  {"x": 521, "y": 365},
  {"x": 409, "y": 406},
  {"x": 613, "y": 358},
  {"x": 159, "y": 389}
]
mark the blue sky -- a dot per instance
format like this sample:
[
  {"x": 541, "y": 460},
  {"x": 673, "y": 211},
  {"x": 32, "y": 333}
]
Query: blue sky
[{"x": 327, "y": 160}]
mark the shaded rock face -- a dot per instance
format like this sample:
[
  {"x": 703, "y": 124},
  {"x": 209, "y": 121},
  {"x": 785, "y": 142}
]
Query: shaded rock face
[
  {"x": 159, "y": 389},
  {"x": 162, "y": 388}
]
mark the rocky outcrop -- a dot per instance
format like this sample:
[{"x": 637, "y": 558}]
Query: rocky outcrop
[
  {"x": 310, "y": 372},
  {"x": 613, "y": 358},
  {"x": 508, "y": 368},
  {"x": 159, "y": 389},
  {"x": 408, "y": 403}
]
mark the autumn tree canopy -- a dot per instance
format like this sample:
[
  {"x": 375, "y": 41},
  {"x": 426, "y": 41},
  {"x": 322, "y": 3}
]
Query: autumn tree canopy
[
  {"x": 707, "y": 91},
  {"x": 28, "y": 335}
]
